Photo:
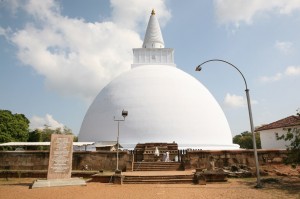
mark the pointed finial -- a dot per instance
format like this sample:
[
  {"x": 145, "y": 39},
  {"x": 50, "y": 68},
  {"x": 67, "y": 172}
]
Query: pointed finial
[{"x": 153, "y": 12}]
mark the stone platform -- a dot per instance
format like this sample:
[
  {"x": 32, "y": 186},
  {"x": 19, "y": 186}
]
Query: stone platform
[
  {"x": 58, "y": 183},
  {"x": 158, "y": 177}
]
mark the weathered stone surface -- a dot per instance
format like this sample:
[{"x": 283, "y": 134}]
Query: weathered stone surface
[
  {"x": 201, "y": 158},
  {"x": 60, "y": 160},
  {"x": 58, "y": 183},
  {"x": 277, "y": 160},
  {"x": 199, "y": 178},
  {"x": 97, "y": 160},
  {"x": 118, "y": 179}
]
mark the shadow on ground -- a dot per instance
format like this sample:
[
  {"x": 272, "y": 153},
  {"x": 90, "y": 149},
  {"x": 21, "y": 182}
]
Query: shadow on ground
[{"x": 290, "y": 185}]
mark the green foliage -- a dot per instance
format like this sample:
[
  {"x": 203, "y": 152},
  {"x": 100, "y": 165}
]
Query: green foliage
[
  {"x": 35, "y": 136},
  {"x": 293, "y": 136},
  {"x": 13, "y": 127},
  {"x": 44, "y": 135},
  {"x": 245, "y": 140}
]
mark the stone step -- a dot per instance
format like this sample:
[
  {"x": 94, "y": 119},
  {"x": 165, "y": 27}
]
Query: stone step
[
  {"x": 162, "y": 166},
  {"x": 175, "y": 179},
  {"x": 158, "y": 163},
  {"x": 156, "y": 166},
  {"x": 155, "y": 169},
  {"x": 159, "y": 177}
]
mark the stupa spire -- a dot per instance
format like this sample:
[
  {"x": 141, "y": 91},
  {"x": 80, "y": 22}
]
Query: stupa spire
[
  {"x": 153, "y": 37},
  {"x": 153, "y": 51},
  {"x": 153, "y": 12}
]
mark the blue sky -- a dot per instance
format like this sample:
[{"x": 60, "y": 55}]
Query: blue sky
[{"x": 56, "y": 56}]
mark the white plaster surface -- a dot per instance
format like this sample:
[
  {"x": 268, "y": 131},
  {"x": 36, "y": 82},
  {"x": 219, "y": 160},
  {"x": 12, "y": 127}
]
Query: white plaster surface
[
  {"x": 153, "y": 37},
  {"x": 164, "y": 104},
  {"x": 269, "y": 141}
]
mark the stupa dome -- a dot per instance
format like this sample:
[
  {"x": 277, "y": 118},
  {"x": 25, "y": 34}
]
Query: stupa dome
[{"x": 164, "y": 104}]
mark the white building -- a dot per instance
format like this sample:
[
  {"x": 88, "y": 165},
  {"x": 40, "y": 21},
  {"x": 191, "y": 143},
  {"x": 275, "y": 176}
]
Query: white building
[
  {"x": 164, "y": 103},
  {"x": 270, "y": 132}
]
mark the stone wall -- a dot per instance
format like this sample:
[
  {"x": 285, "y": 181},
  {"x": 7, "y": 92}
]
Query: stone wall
[
  {"x": 24, "y": 160},
  {"x": 101, "y": 160},
  {"x": 106, "y": 160},
  {"x": 38, "y": 160},
  {"x": 205, "y": 158}
]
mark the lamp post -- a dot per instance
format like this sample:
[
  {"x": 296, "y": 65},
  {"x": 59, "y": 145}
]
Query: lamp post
[
  {"x": 124, "y": 114},
  {"x": 198, "y": 68}
]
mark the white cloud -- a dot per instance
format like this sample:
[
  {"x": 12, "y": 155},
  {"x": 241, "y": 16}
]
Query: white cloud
[
  {"x": 284, "y": 46},
  {"x": 292, "y": 71},
  {"x": 2, "y": 31},
  {"x": 289, "y": 71},
  {"x": 237, "y": 11},
  {"x": 273, "y": 78},
  {"x": 236, "y": 101},
  {"x": 11, "y": 5},
  {"x": 77, "y": 57},
  {"x": 138, "y": 12},
  {"x": 37, "y": 122},
  {"x": 5, "y": 32}
]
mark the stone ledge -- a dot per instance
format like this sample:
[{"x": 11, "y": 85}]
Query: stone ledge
[{"x": 58, "y": 183}]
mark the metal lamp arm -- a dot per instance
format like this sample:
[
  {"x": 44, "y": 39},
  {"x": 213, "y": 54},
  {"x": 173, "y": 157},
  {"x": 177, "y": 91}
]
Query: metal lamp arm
[{"x": 220, "y": 60}]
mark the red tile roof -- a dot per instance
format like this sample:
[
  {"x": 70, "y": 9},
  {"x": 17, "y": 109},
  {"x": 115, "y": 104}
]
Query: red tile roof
[{"x": 286, "y": 122}]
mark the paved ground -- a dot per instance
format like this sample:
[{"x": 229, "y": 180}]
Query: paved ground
[{"x": 234, "y": 188}]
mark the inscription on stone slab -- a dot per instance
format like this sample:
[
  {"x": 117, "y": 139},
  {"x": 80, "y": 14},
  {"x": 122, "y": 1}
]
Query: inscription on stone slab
[{"x": 60, "y": 160}]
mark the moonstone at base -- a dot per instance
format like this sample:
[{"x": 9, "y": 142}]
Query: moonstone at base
[{"x": 58, "y": 183}]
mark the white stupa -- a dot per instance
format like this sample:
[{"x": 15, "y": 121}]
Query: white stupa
[{"x": 164, "y": 103}]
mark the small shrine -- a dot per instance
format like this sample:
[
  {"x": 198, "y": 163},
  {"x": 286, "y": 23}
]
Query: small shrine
[{"x": 156, "y": 152}]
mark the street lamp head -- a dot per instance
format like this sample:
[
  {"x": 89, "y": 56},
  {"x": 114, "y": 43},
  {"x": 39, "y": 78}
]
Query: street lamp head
[
  {"x": 124, "y": 113},
  {"x": 198, "y": 68}
]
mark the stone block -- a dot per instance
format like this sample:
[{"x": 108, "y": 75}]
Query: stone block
[
  {"x": 58, "y": 183},
  {"x": 118, "y": 178},
  {"x": 199, "y": 178},
  {"x": 60, "y": 161},
  {"x": 277, "y": 160}
]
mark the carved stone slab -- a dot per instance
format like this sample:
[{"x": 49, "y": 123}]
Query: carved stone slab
[{"x": 60, "y": 160}]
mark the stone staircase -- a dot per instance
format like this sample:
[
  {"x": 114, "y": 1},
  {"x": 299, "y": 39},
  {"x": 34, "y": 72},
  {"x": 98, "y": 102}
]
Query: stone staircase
[
  {"x": 159, "y": 179},
  {"x": 156, "y": 166}
]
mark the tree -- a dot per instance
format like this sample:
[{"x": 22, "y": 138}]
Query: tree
[
  {"x": 44, "y": 135},
  {"x": 35, "y": 136},
  {"x": 293, "y": 136},
  {"x": 245, "y": 140},
  {"x": 13, "y": 127}
]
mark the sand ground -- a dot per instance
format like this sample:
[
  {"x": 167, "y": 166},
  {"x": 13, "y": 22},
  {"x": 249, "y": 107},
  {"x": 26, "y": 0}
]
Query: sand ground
[{"x": 234, "y": 188}]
